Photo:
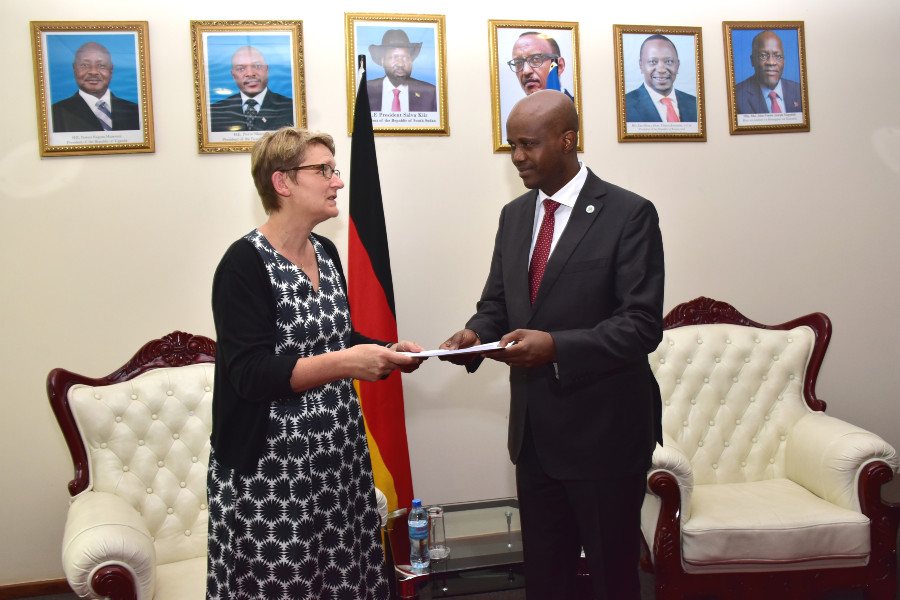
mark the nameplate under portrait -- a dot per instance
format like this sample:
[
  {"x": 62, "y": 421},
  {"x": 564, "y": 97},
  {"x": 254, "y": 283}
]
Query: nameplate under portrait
[{"x": 92, "y": 87}]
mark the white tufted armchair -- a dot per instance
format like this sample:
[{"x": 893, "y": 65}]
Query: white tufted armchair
[
  {"x": 139, "y": 439},
  {"x": 756, "y": 493}
]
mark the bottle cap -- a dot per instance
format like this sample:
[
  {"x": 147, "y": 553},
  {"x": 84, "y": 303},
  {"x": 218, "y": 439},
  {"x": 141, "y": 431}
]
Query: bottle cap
[{"x": 417, "y": 503}]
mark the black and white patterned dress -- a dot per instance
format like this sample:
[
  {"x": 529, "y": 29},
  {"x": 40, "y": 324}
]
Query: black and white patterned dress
[{"x": 304, "y": 525}]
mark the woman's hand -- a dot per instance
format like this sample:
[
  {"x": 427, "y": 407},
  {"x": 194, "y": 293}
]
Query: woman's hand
[
  {"x": 407, "y": 346},
  {"x": 371, "y": 362}
]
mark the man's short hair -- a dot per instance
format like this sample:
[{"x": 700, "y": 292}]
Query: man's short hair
[
  {"x": 279, "y": 150},
  {"x": 546, "y": 37},
  {"x": 656, "y": 36}
]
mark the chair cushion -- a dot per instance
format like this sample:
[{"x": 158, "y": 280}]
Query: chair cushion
[
  {"x": 770, "y": 525},
  {"x": 181, "y": 580}
]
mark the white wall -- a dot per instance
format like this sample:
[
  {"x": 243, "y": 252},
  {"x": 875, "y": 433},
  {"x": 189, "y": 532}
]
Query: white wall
[{"x": 100, "y": 254}]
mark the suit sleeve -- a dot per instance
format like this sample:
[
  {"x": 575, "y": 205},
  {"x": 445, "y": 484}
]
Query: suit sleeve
[
  {"x": 244, "y": 314},
  {"x": 634, "y": 328}
]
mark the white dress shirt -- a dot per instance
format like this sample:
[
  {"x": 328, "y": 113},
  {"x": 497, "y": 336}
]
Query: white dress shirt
[
  {"x": 92, "y": 103},
  {"x": 566, "y": 196},
  {"x": 765, "y": 92},
  {"x": 660, "y": 107},
  {"x": 387, "y": 96}
]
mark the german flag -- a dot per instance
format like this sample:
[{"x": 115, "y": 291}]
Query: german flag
[{"x": 371, "y": 295}]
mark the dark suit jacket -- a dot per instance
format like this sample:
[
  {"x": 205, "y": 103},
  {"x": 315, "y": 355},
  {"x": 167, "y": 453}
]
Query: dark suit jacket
[
  {"x": 74, "y": 114},
  {"x": 601, "y": 300},
  {"x": 639, "y": 107},
  {"x": 750, "y": 101},
  {"x": 275, "y": 112},
  {"x": 422, "y": 95}
]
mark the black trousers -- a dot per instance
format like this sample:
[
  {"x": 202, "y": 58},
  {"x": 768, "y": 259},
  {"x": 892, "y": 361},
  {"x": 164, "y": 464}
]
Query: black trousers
[{"x": 559, "y": 517}]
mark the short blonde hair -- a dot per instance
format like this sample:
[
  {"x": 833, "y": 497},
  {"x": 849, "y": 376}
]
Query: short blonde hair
[{"x": 277, "y": 151}]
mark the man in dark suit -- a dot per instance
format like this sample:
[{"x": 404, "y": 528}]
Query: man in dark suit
[
  {"x": 657, "y": 100},
  {"x": 255, "y": 107},
  {"x": 93, "y": 107},
  {"x": 585, "y": 410},
  {"x": 402, "y": 93},
  {"x": 757, "y": 93}
]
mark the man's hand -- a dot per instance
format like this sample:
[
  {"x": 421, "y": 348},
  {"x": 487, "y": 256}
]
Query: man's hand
[
  {"x": 532, "y": 348},
  {"x": 463, "y": 338}
]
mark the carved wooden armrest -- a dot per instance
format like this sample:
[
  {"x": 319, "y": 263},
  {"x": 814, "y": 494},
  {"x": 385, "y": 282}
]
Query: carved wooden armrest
[{"x": 107, "y": 549}]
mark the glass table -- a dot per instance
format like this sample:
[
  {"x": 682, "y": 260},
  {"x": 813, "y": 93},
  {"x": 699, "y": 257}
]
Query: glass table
[{"x": 485, "y": 542}]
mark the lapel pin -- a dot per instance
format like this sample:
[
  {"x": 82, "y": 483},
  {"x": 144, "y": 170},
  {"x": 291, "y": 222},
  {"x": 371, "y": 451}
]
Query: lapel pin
[
  {"x": 589, "y": 209},
  {"x": 263, "y": 119},
  {"x": 417, "y": 95}
]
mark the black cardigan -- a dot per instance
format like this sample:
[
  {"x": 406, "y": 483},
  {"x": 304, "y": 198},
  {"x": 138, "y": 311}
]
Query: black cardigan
[{"x": 248, "y": 374}]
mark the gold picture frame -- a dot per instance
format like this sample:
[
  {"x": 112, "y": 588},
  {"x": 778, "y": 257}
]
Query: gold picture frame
[
  {"x": 639, "y": 84},
  {"x": 113, "y": 69},
  {"x": 228, "y": 117},
  {"x": 509, "y": 86},
  {"x": 422, "y": 108},
  {"x": 748, "y": 76}
]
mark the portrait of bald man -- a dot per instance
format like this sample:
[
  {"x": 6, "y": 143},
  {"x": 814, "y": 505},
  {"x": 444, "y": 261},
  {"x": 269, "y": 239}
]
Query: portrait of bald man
[
  {"x": 255, "y": 107},
  {"x": 94, "y": 107},
  {"x": 767, "y": 91}
]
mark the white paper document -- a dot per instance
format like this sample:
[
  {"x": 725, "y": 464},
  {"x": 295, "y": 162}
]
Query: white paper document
[{"x": 470, "y": 350}]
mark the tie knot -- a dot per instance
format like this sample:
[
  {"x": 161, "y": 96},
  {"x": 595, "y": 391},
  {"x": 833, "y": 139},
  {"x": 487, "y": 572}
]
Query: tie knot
[
  {"x": 550, "y": 206},
  {"x": 251, "y": 103},
  {"x": 666, "y": 101}
]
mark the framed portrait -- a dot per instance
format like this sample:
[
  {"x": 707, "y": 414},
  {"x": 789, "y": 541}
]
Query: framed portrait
[
  {"x": 406, "y": 72},
  {"x": 92, "y": 86},
  {"x": 659, "y": 83},
  {"x": 766, "y": 62},
  {"x": 527, "y": 56},
  {"x": 248, "y": 79}
]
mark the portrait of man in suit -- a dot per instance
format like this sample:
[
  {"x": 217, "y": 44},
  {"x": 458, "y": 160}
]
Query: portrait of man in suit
[
  {"x": 398, "y": 91},
  {"x": 766, "y": 91},
  {"x": 255, "y": 107},
  {"x": 94, "y": 107},
  {"x": 527, "y": 57},
  {"x": 574, "y": 294},
  {"x": 533, "y": 56},
  {"x": 657, "y": 100}
]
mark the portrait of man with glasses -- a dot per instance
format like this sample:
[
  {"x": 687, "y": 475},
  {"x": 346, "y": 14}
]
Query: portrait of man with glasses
[
  {"x": 535, "y": 56},
  {"x": 767, "y": 91},
  {"x": 530, "y": 56}
]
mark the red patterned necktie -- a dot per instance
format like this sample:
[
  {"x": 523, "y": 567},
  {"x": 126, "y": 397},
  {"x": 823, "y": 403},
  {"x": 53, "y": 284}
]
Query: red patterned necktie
[
  {"x": 671, "y": 115},
  {"x": 395, "y": 105},
  {"x": 776, "y": 108},
  {"x": 542, "y": 248}
]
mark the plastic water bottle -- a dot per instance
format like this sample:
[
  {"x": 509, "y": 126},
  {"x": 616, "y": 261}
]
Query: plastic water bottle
[{"x": 418, "y": 537}]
